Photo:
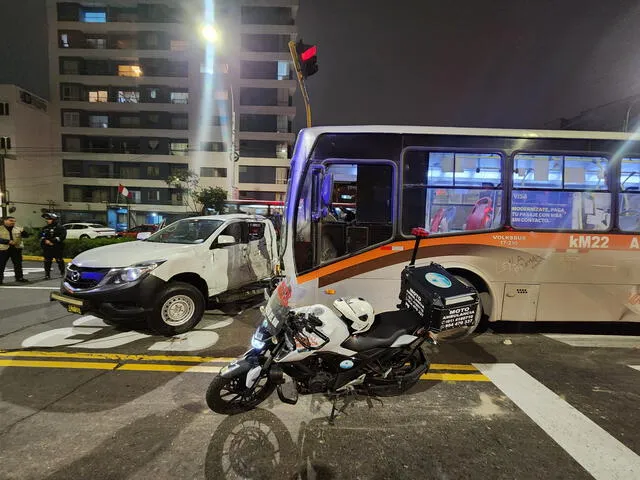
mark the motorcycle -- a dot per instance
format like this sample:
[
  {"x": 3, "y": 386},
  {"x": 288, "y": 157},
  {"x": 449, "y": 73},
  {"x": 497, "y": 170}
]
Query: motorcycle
[{"x": 312, "y": 349}]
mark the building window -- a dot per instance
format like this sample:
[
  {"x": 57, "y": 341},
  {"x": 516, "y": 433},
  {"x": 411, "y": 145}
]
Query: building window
[
  {"x": 178, "y": 45},
  {"x": 70, "y": 119},
  {"x": 212, "y": 146},
  {"x": 99, "y": 121},
  {"x": 70, "y": 67},
  {"x": 99, "y": 171},
  {"x": 128, "y": 96},
  {"x": 4, "y": 109},
  {"x": 72, "y": 168},
  {"x": 151, "y": 40},
  {"x": 129, "y": 122},
  {"x": 153, "y": 119},
  {"x": 153, "y": 171},
  {"x": 72, "y": 144},
  {"x": 129, "y": 71},
  {"x": 179, "y": 148},
  {"x": 64, "y": 40},
  {"x": 98, "y": 96},
  {"x": 153, "y": 195},
  {"x": 180, "y": 122},
  {"x": 70, "y": 92},
  {"x": 213, "y": 172},
  {"x": 94, "y": 16},
  {"x": 97, "y": 43},
  {"x": 154, "y": 93},
  {"x": 129, "y": 172},
  {"x": 180, "y": 97}
]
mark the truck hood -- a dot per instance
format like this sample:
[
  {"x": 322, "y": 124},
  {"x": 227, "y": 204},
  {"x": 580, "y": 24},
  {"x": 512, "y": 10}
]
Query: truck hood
[{"x": 129, "y": 253}]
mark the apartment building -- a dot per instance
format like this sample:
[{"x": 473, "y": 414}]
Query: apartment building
[
  {"x": 31, "y": 169},
  {"x": 138, "y": 93}
]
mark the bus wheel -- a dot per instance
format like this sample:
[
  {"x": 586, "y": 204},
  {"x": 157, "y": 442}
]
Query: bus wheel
[{"x": 480, "y": 324}]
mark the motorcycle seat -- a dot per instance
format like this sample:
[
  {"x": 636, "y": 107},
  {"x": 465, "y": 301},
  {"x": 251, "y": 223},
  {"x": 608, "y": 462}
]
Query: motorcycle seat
[{"x": 387, "y": 328}]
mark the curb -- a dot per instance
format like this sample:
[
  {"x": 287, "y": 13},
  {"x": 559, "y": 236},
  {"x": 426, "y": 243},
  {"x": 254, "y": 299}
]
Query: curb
[{"x": 35, "y": 258}]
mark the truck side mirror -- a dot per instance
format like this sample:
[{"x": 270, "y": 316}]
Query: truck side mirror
[{"x": 224, "y": 241}]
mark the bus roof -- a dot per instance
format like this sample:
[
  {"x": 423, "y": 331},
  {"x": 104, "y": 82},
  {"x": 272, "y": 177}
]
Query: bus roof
[{"x": 314, "y": 132}]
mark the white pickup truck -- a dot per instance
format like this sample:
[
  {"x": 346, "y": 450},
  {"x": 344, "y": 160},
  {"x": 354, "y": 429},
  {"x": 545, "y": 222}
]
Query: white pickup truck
[{"x": 169, "y": 278}]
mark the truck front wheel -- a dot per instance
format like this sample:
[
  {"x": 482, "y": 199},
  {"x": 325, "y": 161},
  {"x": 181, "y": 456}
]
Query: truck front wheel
[{"x": 179, "y": 308}]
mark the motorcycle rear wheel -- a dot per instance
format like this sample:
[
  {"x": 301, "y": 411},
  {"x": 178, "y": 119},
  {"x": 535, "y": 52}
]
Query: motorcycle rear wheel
[{"x": 242, "y": 399}]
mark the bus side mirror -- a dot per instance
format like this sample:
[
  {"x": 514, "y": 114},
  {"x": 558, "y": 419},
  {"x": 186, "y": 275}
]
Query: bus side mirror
[{"x": 322, "y": 192}]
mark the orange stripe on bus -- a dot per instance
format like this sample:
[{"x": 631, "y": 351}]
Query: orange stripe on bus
[{"x": 560, "y": 242}]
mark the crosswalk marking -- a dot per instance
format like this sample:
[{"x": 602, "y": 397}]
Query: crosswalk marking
[
  {"x": 599, "y": 453},
  {"x": 599, "y": 341}
]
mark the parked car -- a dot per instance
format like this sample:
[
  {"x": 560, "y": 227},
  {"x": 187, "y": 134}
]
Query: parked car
[
  {"x": 169, "y": 278},
  {"x": 134, "y": 232},
  {"x": 88, "y": 230}
]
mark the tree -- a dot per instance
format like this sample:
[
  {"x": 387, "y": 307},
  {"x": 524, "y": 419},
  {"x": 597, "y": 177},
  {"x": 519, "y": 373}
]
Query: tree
[
  {"x": 194, "y": 197},
  {"x": 212, "y": 197}
]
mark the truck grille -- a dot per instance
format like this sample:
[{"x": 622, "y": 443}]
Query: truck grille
[{"x": 85, "y": 278}]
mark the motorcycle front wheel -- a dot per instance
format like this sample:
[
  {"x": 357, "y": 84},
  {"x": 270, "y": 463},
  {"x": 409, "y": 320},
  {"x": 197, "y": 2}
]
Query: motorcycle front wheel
[{"x": 230, "y": 396}]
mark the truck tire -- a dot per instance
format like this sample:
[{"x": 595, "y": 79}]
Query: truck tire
[{"x": 179, "y": 308}]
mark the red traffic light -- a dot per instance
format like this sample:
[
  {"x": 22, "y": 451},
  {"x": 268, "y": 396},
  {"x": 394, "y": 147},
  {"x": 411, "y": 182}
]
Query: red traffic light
[{"x": 309, "y": 53}]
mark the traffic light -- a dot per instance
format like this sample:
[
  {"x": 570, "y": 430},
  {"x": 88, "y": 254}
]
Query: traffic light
[{"x": 308, "y": 58}]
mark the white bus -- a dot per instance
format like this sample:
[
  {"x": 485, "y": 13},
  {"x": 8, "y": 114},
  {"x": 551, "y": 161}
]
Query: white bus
[{"x": 545, "y": 224}]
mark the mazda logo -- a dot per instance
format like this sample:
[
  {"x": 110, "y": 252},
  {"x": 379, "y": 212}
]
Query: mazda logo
[{"x": 75, "y": 276}]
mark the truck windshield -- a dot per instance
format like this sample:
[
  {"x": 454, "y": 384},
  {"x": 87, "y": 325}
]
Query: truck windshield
[{"x": 187, "y": 231}]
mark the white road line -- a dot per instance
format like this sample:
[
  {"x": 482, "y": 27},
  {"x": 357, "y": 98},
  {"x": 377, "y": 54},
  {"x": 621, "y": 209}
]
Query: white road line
[
  {"x": 636, "y": 367},
  {"x": 601, "y": 341},
  {"x": 599, "y": 453},
  {"x": 29, "y": 288}
]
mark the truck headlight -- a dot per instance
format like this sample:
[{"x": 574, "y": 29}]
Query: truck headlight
[{"x": 134, "y": 272}]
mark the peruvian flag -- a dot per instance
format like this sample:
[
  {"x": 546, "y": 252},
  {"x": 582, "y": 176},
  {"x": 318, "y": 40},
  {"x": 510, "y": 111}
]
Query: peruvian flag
[{"x": 124, "y": 191}]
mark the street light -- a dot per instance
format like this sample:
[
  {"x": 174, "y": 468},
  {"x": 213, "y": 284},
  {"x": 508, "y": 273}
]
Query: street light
[
  {"x": 211, "y": 36},
  {"x": 210, "y": 33}
]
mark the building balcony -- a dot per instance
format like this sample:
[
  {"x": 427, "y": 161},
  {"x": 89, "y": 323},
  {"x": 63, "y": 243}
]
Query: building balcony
[
  {"x": 117, "y": 81},
  {"x": 274, "y": 136},
  {"x": 267, "y": 110},
  {"x": 265, "y": 56},
  {"x": 263, "y": 187},
  {"x": 121, "y": 27},
  {"x": 125, "y": 107},
  {"x": 269, "y": 29},
  {"x": 259, "y": 83},
  {"x": 101, "y": 207},
  {"x": 114, "y": 182},
  {"x": 125, "y": 157},
  {"x": 124, "y": 54},
  {"x": 125, "y": 132}
]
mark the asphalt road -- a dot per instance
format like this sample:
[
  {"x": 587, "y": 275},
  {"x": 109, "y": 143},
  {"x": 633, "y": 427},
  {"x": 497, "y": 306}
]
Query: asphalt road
[{"x": 82, "y": 399}]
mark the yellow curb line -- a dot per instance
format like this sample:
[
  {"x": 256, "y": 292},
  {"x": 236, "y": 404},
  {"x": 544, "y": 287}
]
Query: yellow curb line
[
  {"x": 151, "y": 367},
  {"x": 114, "y": 356},
  {"x": 174, "y": 358},
  {"x": 35, "y": 258}
]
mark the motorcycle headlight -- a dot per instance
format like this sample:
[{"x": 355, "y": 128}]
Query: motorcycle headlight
[
  {"x": 134, "y": 272},
  {"x": 257, "y": 344}
]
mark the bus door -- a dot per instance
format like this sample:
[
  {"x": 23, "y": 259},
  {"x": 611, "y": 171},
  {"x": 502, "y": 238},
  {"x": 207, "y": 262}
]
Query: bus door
[{"x": 353, "y": 210}]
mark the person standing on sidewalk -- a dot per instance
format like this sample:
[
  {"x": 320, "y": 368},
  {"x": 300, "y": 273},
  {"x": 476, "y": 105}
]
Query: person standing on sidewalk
[
  {"x": 52, "y": 242},
  {"x": 11, "y": 246}
]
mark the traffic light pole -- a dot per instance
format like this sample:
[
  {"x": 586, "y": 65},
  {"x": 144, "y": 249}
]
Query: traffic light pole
[{"x": 301, "y": 82}]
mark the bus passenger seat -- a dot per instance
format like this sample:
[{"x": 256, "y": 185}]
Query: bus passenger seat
[{"x": 480, "y": 216}]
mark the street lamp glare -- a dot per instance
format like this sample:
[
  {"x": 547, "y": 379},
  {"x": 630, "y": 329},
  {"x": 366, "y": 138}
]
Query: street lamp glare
[{"x": 210, "y": 33}]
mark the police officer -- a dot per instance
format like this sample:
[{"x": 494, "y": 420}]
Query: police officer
[
  {"x": 52, "y": 240},
  {"x": 11, "y": 246}
]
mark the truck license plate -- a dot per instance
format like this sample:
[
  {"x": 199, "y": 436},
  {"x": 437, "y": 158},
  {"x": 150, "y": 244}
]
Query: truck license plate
[{"x": 74, "y": 309}]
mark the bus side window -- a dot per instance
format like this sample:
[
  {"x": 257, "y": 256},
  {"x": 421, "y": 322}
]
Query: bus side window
[{"x": 629, "y": 211}]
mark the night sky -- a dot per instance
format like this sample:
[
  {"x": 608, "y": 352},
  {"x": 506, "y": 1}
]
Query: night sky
[{"x": 494, "y": 63}]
